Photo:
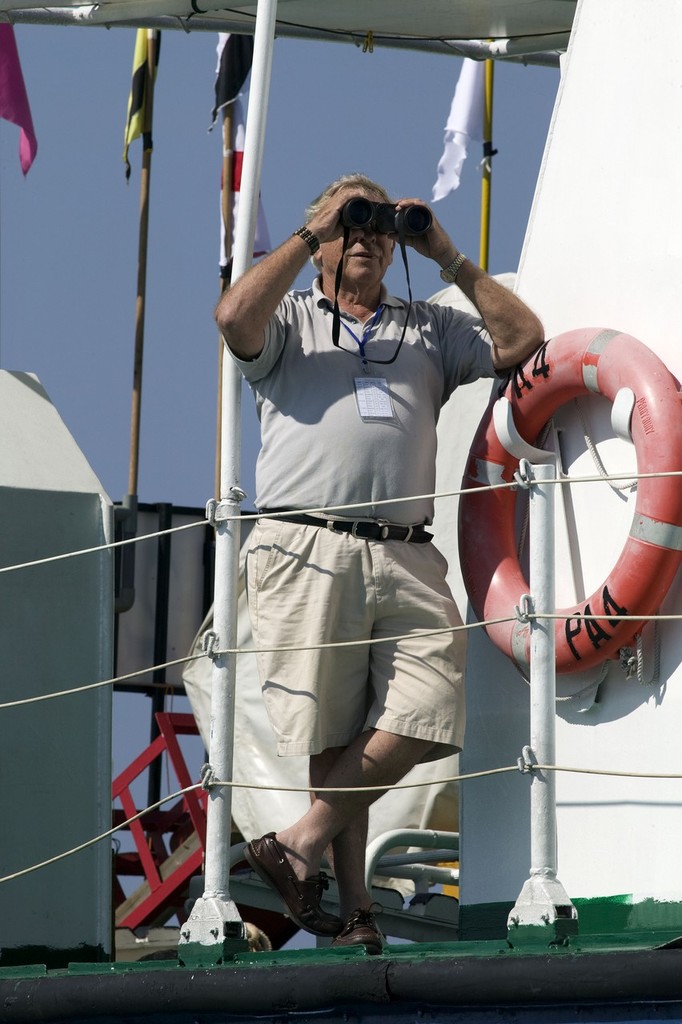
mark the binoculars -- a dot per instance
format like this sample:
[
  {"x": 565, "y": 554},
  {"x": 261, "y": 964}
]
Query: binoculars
[{"x": 383, "y": 217}]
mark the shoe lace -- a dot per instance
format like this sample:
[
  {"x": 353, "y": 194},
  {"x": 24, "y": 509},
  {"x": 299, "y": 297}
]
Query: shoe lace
[
  {"x": 321, "y": 882},
  {"x": 363, "y": 917}
]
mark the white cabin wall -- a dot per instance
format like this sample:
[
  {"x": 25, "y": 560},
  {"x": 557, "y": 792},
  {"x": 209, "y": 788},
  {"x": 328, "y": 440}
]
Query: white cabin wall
[
  {"x": 56, "y": 634},
  {"x": 603, "y": 248}
]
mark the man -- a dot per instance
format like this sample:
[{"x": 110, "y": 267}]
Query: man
[{"x": 349, "y": 382}]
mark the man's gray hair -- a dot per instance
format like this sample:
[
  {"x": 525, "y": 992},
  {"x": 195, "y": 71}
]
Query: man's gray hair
[{"x": 359, "y": 181}]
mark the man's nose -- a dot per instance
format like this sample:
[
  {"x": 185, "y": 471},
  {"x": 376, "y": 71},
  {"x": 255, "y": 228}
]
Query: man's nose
[{"x": 367, "y": 231}]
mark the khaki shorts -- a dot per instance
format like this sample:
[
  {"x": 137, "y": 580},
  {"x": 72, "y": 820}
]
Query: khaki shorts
[{"x": 309, "y": 586}]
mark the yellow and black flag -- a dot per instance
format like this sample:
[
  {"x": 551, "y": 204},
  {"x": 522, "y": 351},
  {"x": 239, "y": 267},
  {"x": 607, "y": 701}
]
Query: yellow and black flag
[{"x": 145, "y": 63}]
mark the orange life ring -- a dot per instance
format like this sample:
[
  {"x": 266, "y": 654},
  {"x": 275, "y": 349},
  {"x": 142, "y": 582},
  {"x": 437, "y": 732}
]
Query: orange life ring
[{"x": 580, "y": 362}]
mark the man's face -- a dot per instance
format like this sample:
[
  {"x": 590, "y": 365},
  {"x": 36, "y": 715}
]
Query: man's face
[{"x": 368, "y": 255}]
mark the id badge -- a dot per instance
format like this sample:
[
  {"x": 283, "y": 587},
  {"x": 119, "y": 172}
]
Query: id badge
[{"x": 373, "y": 398}]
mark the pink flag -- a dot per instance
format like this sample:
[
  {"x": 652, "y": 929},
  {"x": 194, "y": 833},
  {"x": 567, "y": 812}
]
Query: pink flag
[{"x": 13, "y": 99}]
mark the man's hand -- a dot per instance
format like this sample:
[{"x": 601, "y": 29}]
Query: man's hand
[
  {"x": 326, "y": 223},
  {"x": 515, "y": 330},
  {"x": 435, "y": 243}
]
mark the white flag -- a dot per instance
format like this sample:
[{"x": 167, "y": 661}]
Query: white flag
[{"x": 464, "y": 123}]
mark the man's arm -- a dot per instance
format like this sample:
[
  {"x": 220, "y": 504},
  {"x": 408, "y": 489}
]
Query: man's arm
[
  {"x": 515, "y": 330},
  {"x": 244, "y": 309}
]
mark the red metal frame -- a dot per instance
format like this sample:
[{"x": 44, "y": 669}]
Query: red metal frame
[{"x": 156, "y": 832}]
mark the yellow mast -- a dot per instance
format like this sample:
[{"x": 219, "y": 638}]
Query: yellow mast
[{"x": 488, "y": 153}]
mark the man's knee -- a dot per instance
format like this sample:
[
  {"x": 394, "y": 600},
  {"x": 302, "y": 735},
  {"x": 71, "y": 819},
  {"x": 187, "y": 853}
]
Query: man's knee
[{"x": 320, "y": 764}]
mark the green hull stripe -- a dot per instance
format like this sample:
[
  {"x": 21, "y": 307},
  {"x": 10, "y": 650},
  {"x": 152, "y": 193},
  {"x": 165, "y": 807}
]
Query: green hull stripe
[{"x": 606, "y": 916}]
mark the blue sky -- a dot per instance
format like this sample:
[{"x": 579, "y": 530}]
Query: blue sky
[{"x": 68, "y": 232}]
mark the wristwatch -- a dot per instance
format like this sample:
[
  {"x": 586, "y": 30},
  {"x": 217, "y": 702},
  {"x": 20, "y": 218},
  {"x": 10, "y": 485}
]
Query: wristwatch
[{"x": 449, "y": 273}]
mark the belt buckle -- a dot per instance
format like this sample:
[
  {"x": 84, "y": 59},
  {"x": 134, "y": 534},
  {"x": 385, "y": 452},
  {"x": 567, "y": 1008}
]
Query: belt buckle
[
  {"x": 329, "y": 523},
  {"x": 385, "y": 527},
  {"x": 354, "y": 528}
]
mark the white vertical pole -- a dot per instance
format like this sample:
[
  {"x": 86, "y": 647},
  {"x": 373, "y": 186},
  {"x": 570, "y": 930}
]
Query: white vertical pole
[
  {"x": 543, "y": 853},
  {"x": 254, "y": 138},
  {"x": 543, "y": 911},
  {"x": 215, "y": 922}
]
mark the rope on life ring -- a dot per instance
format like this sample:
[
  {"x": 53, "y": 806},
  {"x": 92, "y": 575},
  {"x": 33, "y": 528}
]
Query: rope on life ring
[{"x": 580, "y": 362}]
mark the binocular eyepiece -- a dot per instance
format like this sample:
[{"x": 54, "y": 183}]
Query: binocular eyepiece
[{"x": 385, "y": 218}]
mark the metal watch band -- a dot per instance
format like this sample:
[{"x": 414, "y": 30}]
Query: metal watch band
[{"x": 449, "y": 273}]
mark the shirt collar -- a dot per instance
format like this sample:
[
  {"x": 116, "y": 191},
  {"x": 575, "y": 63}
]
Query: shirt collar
[{"x": 323, "y": 302}]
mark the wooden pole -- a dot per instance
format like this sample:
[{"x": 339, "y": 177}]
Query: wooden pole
[{"x": 140, "y": 301}]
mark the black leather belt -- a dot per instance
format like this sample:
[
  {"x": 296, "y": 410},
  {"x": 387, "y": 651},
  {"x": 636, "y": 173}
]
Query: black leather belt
[{"x": 359, "y": 528}]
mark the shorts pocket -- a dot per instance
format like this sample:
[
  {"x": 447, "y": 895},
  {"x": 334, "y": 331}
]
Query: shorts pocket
[{"x": 263, "y": 552}]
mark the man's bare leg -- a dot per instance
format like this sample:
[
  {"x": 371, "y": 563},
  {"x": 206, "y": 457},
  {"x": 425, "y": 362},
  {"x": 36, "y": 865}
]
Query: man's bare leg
[
  {"x": 346, "y": 853},
  {"x": 375, "y": 758}
]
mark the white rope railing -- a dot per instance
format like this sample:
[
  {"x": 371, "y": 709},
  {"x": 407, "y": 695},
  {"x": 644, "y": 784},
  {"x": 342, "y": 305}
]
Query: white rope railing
[
  {"x": 103, "y": 682},
  {"x": 325, "y": 510},
  {"x": 520, "y": 767},
  {"x": 370, "y": 642},
  {"x": 110, "y": 546}
]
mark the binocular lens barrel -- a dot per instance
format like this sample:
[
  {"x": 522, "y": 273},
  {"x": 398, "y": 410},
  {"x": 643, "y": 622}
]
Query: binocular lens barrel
[
  {"x": 417, "y": 220},
  {"x": 357, "y": 213},
  {"x": 361, "y": 213}
]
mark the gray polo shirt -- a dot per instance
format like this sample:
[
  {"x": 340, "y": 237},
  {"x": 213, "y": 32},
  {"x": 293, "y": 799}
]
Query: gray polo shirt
[{"x": 338, "y": 431}]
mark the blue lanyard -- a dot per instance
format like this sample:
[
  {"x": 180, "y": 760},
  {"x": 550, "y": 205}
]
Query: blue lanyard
[{"x": 366, "y": 331}]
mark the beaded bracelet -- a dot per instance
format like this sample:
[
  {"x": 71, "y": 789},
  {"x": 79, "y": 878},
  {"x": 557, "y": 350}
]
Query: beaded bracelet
[{"x": 311, "y": 240}]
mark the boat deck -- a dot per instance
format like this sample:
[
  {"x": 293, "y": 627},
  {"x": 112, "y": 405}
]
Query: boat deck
[{"x": 593, "y": 979}]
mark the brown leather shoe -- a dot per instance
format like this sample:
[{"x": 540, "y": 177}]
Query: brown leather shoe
[
  {"x": 302, "y": 899},
  {"x": 361, "y": 930}
]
